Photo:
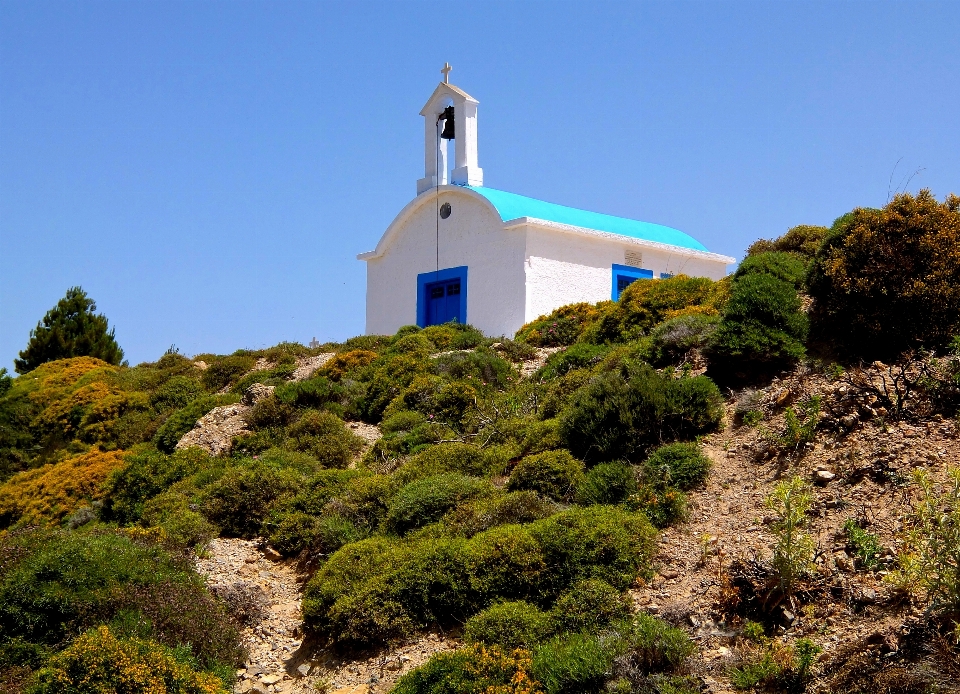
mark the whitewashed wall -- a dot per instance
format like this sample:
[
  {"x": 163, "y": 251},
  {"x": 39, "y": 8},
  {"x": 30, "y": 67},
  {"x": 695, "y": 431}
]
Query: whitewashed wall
[
  {"x": 564, "y": 268},
  {"x": 474, "y": 236}
]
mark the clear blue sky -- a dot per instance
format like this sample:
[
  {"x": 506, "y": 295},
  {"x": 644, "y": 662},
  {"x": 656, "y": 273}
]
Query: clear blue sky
[{"x": 208, "y": 171}]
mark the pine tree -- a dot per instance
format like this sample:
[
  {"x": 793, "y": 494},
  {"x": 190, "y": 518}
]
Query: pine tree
[{"x": 70, "y": 329}]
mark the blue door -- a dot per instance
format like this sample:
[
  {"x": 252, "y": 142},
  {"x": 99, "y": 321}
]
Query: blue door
[{"x": 443, "y": 302}]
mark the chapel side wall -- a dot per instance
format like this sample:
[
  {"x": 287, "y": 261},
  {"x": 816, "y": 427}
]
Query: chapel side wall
[
  {"x": 473, "y": 235},
  {"x": 566, "y": 268}
]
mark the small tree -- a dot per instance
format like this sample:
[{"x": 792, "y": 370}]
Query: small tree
[{"x": 70, "y": 329}]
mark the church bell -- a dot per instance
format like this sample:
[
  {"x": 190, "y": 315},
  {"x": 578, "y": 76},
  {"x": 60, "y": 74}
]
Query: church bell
[{"x": 448, "y": 131}]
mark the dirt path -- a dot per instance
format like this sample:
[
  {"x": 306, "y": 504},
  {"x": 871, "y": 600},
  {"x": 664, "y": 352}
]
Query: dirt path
[{"x": 265, "y": 594}]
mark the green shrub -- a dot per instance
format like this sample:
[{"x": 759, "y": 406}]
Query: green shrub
[
  {"x": 793, "y": 551},
  {"x": 184, "y": 419},
  {"x": 475, "y": 669},
  {"x": 452, "y": 335},
  {"x": 445, "y": 457},
  {"x": 98, "y": 661},
  {"x": 680, "y": 465},
  {"x": 388, "y": 376},
  {"x": 928, "y": 559},
  {"x": 785, "y": 267},
  {"x": 324, "y": 436},
  {"x": 509, "y": 625},
  {"x": 171, "y": 511},
  {"x": 239, "y": 501},
  {"x": 224, "y": 371},
  {"x": 437, "y": 399},
  {"x": 292, "y": 532},
  {"x": 555, "y": 474},
  {"x": 654, "y": 645},
  {"x": 487, "y": 512},
  {"x": 504, "y": 563},
  {"x": 316, "y": 392},
  {"x": 573, "y": 664},
  {"x": 762, "y": 328},
  {"x": 515, "y": 351},
  {"x": 416, "y": 344},
  {"x": 607, "y": 483},
  {"x": 482, "y": 367},
  {"x": 176, "y": 393},
  {"x": 578, "y": 356},
  {"x": 146, "y": 475},
  {"x": 602, "y": 542},
  {"x": 538, "y": 436},
  {"x": 672, "y": 341},
  {"x": 347, "y": 363},
  {"x": 424, "y": 501},
  {"x": 269, "y": 412},
  {"x": 887, "y": 281},
  {"x": 588, "y": 606},
  {"x": 560, "y": 328},
  {"x": 802, "y": 241},
  {"x": 645, "y": 303},
  {"x": 864, "y": 546},
  {"x": 663, "y": 505},
  {"x": 56, "y": 584},
  {"x": 620, "y": 416}
]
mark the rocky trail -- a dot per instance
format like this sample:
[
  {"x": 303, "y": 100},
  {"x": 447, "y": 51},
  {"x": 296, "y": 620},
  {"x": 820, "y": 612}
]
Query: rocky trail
[{"x": 264, "y": 593}]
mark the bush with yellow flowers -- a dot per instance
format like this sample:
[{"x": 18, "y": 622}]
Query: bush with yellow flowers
[
  {"x": 48, "y": 494},
  {"x": 100, "y": 662}
]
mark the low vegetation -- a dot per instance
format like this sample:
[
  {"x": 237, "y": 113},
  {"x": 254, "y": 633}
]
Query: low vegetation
[{"x": 514, "y": 509}]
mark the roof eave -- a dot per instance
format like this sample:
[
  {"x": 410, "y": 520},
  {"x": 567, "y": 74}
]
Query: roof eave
[{"x": 620, "y": 238}]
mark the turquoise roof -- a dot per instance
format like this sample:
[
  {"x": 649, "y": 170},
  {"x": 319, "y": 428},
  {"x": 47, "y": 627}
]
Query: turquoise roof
[{"x": 511, "y": 206}]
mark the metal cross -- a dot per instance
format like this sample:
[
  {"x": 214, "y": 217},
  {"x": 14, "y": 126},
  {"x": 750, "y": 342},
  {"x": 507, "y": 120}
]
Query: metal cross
[{"x": 446, "y": 72}]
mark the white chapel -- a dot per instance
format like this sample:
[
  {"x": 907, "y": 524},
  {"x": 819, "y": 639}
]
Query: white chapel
[{"x": 462, "y": 251}]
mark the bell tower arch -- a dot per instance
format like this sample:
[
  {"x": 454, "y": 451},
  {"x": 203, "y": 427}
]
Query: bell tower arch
[{"x": 466, "y": 170}]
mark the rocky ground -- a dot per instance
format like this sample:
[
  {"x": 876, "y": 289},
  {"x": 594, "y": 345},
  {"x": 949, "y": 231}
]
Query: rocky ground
[
  {"x": 858, "y": 465},
  {"x": 264, "y": 592}
]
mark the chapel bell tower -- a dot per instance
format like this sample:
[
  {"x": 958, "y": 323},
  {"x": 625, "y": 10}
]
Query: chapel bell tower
[{"x": 439, "y": 127}]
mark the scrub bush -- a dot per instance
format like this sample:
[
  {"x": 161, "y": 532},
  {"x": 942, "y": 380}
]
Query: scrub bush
[
  {"x": 783, "y": 266},
  {"x": 645, "y": 303},
  {"x": 607, "y": 483},
  {"x": 475, "y": 669},
  {"x": 578, "y": 356},
  {"x": 48, "y": 494},
  {"x": 602, "y": 542},
  {"x": 146, "y": 475},
  {"x": 673, "y": 340},
  {"x": 57, "y": 583},
  {"x": 437, "y": 399},
  {"x": 555, "y": 474},
  {"x": 621, "y": 415},
  {"x": 388, "y": 376},
  {"x": 269, "y": 412},
  {"x": 887, "y": 281},
  {"x": 482, "y": 367},
  {"x": 762, "y": 329},
  {"x": 484, "y": 513},
  {"x": 663, "y": 505},
  {"x": 176, "y": 393},
  {"x": 98, "y": 661},
  {"x": 802, "y": 241},
  {"x": 424, "y": 501},
  {"x": 509, "y": 625},
  {"x": 171, "y": 511},
  {"x": 561, "y": 328},
  {"x": 504, "y": 563},
  {"x": 239, "y": 501},
  {"x": 445, "y": 457},
  {"x": 449, "y": 336},
  {"x": 654, "y": 645},
  {"x": 573, "y": 664},
  {"x": 324, "y": 436},
  {"x": 226, "y": 370},
  {"x": 680, "y": 465},
  {"x": 589, "y": 606},
  {"x": 347, "y": 363}
]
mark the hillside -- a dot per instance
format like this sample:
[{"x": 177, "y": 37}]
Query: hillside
[{"x": 702, "y": 487}]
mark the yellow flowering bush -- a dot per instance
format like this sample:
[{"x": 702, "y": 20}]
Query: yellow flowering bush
[
  {"x": 99, "y": 662},
  {"x": 476, "y": 669},
  {"x": 47, "y": 494}
]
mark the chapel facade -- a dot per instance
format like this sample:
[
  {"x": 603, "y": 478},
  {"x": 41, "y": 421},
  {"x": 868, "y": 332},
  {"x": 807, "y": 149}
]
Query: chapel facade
[{"x": 461, "y": 251}]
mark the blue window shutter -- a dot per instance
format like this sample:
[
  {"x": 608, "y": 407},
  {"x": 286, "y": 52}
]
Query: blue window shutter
[
  {"x": 442, "y": 296},
  {"x": 623, "y": 275}
]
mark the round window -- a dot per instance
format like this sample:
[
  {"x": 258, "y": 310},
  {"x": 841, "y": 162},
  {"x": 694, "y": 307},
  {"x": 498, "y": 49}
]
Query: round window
[{"x": 445, "y": 210}]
